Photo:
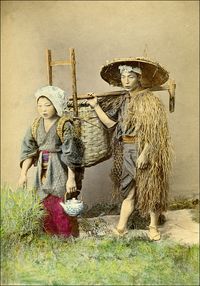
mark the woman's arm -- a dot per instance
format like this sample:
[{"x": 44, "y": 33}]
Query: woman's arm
[
  {"x": 71, "y": 183},
  {"x": 23, "y": 176}
]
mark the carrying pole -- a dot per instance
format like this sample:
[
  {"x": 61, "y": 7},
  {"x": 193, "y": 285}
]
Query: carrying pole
[{"x": 170, "y": 87}]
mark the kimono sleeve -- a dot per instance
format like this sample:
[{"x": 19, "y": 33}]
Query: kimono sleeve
[
  {"x": 72, "y": 147},
  {"x": 29, "y": 148}
]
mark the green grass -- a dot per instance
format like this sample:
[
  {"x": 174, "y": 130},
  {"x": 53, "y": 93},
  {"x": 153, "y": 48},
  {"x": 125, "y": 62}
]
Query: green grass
[
  {"x": 29, "y": 257},
  {"x": 180, "y": 203},
  {"x": 99, "y": 261},
  {"x": 21, "y": 213}
]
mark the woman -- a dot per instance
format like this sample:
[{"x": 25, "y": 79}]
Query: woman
[{"x": 58, "y": 161}]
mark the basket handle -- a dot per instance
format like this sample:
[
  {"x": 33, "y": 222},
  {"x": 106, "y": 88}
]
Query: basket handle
[{"x": 65, "y": 197}]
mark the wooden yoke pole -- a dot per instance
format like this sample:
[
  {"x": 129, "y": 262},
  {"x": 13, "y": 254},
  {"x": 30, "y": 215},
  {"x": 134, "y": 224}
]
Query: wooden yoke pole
[
  {"x": 170, "y": 87},
  {"x": 74, "y": 87},
  {"x": 49, "y": 67},
  {"x": 171, "y": 90}
]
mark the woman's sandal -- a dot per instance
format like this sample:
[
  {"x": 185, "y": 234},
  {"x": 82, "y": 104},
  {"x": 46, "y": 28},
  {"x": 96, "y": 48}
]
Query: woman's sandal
[
  {"x": 153, "y": 233},
  {"x": 119, "y": 232}
]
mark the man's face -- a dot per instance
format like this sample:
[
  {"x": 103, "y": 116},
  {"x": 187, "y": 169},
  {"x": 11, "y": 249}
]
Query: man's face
[{"x": 129, "y": 80}]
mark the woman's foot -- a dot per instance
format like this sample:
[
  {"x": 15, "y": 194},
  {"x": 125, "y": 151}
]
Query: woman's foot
[
  {"x": 153, "y": 233},
  {"x": 119, "y": 232}
]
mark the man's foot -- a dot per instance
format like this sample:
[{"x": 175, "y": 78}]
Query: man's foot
[
  {"x": 119, "y": 232},
  {"x": 153, "y": 233}
]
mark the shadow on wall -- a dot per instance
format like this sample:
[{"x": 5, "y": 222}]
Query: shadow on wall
[{"x": 96, "y": 186}]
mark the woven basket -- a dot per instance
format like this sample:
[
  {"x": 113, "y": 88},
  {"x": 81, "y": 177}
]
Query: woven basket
[{"x": 95, "y": 136}]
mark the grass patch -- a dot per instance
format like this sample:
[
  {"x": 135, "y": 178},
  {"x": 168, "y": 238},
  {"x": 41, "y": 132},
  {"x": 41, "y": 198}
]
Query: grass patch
[
  {"x": 29, "y": 257},
  {"x": 21, "y": 213},
  {"x": 180, "y": 203},
  {"x": 100, "y": 261}
]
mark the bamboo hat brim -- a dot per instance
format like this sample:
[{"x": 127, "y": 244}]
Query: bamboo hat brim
[{"x": 152, "y": 73}]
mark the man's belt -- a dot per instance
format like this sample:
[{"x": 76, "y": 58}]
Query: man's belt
[{"x": 129, "y": 139}]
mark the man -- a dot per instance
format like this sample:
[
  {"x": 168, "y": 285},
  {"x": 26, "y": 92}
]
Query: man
[{"x": 141, "y": 131}]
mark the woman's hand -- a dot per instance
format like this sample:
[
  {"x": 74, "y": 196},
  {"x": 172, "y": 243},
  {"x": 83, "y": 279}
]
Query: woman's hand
[
  {"x": 22, "y": 182},
  {"x": 71, "y": 185},
  {"x": 26, "y": 164}
]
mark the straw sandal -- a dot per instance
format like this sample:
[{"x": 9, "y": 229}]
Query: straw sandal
[
  {"x": 153, "y": 233},
  {"x": 119, "y": 232}
]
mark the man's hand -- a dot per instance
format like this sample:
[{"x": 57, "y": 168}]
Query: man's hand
[
  {"x": 142, "y": 161},
  {"x": 93, "y": 101}
]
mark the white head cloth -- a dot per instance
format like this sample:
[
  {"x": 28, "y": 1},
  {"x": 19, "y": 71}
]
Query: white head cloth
[
  {"x": 55, "y": 94},
  {"x": 125, "y": 68}
]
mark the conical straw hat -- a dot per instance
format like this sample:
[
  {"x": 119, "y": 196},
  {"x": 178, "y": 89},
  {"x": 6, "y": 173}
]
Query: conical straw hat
[{"x": 152, "y": 73}]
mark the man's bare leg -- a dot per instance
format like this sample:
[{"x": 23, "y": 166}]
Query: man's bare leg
[
  {"x": 154, "y": 233},
  {"x": 126, "y": 210}
]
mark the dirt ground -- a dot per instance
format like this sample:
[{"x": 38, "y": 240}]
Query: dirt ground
[{"x": 179, "y": 227}]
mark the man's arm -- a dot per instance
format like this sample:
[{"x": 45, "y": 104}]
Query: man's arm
[{"x": 101, "y": 114}]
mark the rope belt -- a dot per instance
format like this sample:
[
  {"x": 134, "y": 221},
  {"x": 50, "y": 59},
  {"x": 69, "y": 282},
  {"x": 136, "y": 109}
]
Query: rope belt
[{"x": 129, "y": 139}]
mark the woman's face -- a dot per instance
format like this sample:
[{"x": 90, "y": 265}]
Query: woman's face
[
  {"x": 129, "y": 80},
  {"x": 45, "y": 108}
]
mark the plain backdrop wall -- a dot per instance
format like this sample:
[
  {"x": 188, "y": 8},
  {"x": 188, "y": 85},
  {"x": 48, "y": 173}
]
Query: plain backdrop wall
[{"x": 99, "y": 31}]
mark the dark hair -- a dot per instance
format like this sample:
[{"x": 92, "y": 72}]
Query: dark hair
[
  {"x": 139, "y": 77},
  {"x": 43, "y": 96}
]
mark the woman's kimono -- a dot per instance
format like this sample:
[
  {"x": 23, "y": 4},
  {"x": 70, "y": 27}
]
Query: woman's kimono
[{"x": 52, "y": 158}]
